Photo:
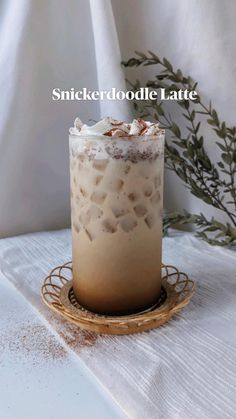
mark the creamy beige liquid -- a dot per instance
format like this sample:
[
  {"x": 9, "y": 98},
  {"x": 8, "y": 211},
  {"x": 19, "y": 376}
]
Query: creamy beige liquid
[{"x": 117, "y": 232}]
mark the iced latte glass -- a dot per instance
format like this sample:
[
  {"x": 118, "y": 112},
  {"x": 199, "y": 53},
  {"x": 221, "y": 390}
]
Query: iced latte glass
[{"x": 116, "y": 203}]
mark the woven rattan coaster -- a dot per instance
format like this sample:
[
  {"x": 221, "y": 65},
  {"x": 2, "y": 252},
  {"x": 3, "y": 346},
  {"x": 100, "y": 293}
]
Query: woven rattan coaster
[{"x": 57, "y": 293}]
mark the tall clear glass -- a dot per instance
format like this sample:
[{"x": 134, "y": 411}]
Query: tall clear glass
[{"x": 116, "y": 210}]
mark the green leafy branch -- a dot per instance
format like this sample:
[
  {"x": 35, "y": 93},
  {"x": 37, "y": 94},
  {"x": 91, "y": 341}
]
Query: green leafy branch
[
  {"x": 226, "y": 233},
  {"x": 213, "y": 183}
]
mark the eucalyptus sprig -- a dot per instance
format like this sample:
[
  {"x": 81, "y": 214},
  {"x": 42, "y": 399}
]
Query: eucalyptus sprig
[{"x": 213, "y": 183}]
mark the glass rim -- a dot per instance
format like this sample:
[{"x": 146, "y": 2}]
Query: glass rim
[{"x": 126, "y": 138}]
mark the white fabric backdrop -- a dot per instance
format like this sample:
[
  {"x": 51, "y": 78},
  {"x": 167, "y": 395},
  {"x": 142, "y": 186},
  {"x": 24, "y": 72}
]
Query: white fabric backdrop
[{"x": 64, "y": 44}]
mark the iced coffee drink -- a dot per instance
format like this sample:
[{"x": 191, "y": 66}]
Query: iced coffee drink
[{"x": 116, "y": 204}]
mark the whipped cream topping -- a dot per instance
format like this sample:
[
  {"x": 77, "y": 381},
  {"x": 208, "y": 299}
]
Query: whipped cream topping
[{"x": 110, "y": 127}]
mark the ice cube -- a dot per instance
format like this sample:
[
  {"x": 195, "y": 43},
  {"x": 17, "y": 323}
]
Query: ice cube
[
  {"x": 95, "y": 212},
  {"x": 100, "y": 164},
  {"x": 109, "y": 225},
  {"x": 83, "y": 191},
  {"x": 84, "y": 217},
  {"x": 140, "y": 210},
  {"x": 116, "y": 185},
  {"x": 133, "y": 196},
  {"x": 128, "y": 223},
  {"x": 157, "y": 181},
  {"x": 148, "y": 189},
  {"x": 119, "y": 210},
  {"x": 98, "y": 179},
  {"x": 76, "y": 227},
  {"x": 155, "y": 198},
  {"x": 98, "y": 197},
  {"x": 150, "y": 220},
  {"x": 89, "y": 234}
]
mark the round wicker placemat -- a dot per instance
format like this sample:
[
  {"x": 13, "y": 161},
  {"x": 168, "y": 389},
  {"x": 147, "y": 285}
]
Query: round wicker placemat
[{"x": 57, "y": 293}]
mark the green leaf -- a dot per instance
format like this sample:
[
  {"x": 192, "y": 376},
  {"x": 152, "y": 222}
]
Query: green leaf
[
  {"x": 192, "y": 116},
  {"x": 154, "y": 56},
  {"x": 197, "y": 127},
  {"x": 215, "y": 116},
  {"x": 160, "y": 110},
  {"x": 181, "y": 174},
  {"x": 200, "y": 142},
  {"x": 175, "y": 129},
  {"x": 179, "y": 75},
  {"x": 211, "y": 121},
  {"x": 167, "y": 64},
  {"x": 221, "y": 133},
  {"x": 187, "y": 117},
  {"x": 190, "y": 150},
  {"x": 221, "y": 146},
  {"x": 220, "y": 225},
  {"x": 234, "y": 156},
  {"x": 205, "y": 162},
  {"x": 173, "y": 78},
  {"x": 132, "y": 62},
  {"x": 211, "y": 228},
  {"x": 207, "y": 199},
  {"x": 182, "y": 144},
  {"x": 227, "y": 158}
]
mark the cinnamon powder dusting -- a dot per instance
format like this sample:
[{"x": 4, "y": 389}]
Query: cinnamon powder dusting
[
  {"x": 75, "y": 337},
  {"x": 35, "y": 342},
  {"x": 31, "y": 341}
]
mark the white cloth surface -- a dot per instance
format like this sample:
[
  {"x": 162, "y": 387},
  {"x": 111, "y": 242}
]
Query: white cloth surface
[
  {"x": 46, "y": 44},
  {"x": 185, "y": 369},
  {"x": 39, "y": 377}
]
